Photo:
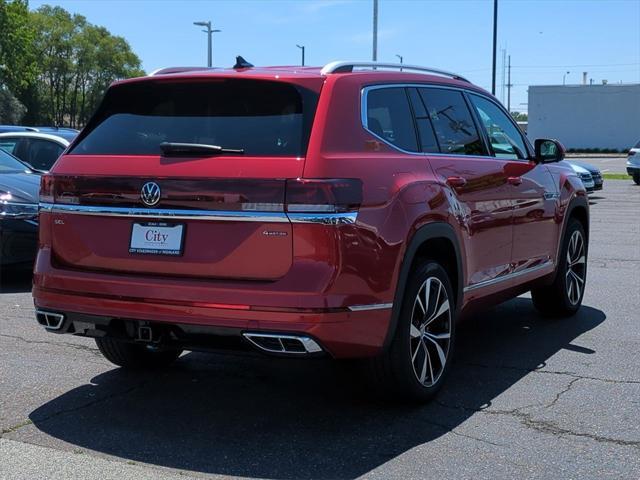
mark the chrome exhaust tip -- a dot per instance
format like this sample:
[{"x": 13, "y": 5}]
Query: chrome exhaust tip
[
  {"x": 50, "y": 320},
  {"x": 283, "y": 344}
]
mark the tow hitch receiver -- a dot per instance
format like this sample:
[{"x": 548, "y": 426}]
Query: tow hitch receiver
[{"x": 145, "y": 334}]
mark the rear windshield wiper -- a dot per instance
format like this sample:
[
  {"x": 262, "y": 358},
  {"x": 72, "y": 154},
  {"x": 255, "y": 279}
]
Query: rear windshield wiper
[{"x": 173, "y": 148}]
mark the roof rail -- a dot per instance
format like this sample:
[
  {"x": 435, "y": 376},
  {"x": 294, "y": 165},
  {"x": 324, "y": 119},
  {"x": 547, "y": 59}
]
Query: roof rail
[
  {"x": 347, "y": 67},
  {"x": 168, "y": 70}
]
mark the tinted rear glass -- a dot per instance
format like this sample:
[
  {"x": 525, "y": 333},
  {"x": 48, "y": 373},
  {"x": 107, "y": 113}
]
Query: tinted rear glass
[{"x": 263, "y": 118}]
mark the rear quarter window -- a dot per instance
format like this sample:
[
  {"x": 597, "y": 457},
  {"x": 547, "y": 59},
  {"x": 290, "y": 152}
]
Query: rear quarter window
[{"x": 262, "y": 117}]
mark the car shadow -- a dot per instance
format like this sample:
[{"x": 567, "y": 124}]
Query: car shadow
[
  {"x": 284, "y": 419},
  {"x": 15, "y": 280}
]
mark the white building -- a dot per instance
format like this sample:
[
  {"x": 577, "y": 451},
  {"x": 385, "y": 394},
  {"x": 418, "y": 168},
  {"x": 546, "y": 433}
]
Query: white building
[{"x": 586, "y": 116}]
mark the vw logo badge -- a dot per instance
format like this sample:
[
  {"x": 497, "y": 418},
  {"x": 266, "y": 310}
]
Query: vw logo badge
[{"x": 150, "y": 194}]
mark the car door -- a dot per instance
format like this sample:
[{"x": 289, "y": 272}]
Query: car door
[
  {"x": 458, "y": 155},
  {"x": 531, "y": 187}
]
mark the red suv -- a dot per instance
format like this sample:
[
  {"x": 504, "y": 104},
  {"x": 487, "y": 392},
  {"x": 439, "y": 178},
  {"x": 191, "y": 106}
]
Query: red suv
[{"x": 356, "y": 211}]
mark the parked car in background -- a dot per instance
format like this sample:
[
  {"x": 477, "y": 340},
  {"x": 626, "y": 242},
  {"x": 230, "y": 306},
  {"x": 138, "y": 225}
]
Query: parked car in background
[
  {"x": 38, "y": 150},
  {"x": 585, "y": 176},
  {"x": 19, "y": 186},
  {"x": 596, "y": 174},
  {"x": 16, "y": 128},
  {"x": 357, "y": 210},
  {"x": 633, "y": 163}
]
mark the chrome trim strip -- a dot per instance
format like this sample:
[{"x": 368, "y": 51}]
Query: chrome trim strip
[
  {"x": 371, "y": 306},
  {"x": 509, "y": 276},
  {"x": 211, "y": 215},
  {"x": 333, "y": 67},
  {"x": 346, "y": 218},
  {"x": 169, "y": 214}
]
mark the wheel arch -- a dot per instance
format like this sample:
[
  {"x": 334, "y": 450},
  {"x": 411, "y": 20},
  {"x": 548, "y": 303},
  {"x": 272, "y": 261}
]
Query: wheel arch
[{"x": 436, "y": 240}]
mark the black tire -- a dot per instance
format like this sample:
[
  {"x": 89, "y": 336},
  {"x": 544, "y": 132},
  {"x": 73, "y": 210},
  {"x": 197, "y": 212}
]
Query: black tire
[
  {"x": 636, "y": 178},
  {"x": 398, "y": 370},
  {"x": 135, "y": 356},
  {"x": 561, "y": 298}
]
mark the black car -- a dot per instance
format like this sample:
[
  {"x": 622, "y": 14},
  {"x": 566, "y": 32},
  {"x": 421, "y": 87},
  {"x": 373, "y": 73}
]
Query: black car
[
  {"x": 19, "y": 186},
  {"x": 595, "y": 172}
]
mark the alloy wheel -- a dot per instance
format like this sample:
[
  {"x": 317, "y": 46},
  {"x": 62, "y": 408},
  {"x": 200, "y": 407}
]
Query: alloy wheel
[
  {"x": 576, "y": 263},
  {"x": 430, "y": 332}
]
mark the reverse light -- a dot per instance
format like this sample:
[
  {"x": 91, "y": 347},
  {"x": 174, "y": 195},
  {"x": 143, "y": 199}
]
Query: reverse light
[{"x": 47, "y": 185}]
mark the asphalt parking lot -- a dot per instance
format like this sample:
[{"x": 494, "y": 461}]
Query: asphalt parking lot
[{"x": 527, "y": 397}]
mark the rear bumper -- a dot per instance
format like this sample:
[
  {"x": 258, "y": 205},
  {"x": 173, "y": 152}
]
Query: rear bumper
[
  {"x": 342, "y": 334},
  {"x": 633, "y": 170}
]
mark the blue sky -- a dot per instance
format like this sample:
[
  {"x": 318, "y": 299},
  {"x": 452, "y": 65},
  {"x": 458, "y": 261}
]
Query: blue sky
[{"x": 545, "y": 38}]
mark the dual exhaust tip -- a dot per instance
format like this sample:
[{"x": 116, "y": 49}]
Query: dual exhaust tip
[
  {"x": 283, "y": 344},
  {"x": 50, "y": 320}
]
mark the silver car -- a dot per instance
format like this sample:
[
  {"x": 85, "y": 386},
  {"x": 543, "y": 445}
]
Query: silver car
[{"x": 633, "y": 163}]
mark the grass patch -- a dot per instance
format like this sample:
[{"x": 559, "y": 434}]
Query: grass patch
[{"x": 616, "y": 176}]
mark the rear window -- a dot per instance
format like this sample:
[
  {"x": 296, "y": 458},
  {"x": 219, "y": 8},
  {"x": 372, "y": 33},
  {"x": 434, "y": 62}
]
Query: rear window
[{"x": 264, "y": 118}]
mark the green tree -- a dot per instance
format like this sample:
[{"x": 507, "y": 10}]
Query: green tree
[
  {"x": 58, "y": 64},
  {"x": 18, "y": 65},
  {"x": 519, "y": 117}
]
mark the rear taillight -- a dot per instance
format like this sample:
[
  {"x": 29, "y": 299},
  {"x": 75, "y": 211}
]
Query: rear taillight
[
  {"x": 323, "y": 195},
  {"x": 46, "y": 188}
]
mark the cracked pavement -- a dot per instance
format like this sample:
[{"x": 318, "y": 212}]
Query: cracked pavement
[{"x": 527, "y": 397}]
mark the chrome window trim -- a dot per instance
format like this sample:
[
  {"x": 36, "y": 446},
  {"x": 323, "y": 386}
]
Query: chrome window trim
[
  {"x": 509, "y": 276},
  {"x": 211, "y": 215},
  {"x": 371, "y": 306},
  {"x": 363, "y": 116}
]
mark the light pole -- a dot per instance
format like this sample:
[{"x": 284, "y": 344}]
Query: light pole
[
  {"x": 564, "y": 77},
  {"x": 375, "y": 31},
  {"x": 400, "y": 57},
  {"x": 209, "y": 33},
  {"x": 495, "y": 42},
  {"x": 301, "y": 47}
]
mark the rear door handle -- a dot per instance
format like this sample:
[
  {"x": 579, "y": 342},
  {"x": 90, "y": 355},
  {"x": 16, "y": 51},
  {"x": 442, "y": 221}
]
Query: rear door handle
[
  {"x": 456, "y": 182},
  {"x": 514, "y": 180}
]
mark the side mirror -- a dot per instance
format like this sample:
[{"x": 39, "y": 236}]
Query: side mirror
[{"x": 548, "y": 151}]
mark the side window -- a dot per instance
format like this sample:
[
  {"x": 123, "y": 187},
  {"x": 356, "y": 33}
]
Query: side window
[
  {"x": 426, "y": 134},
  {"x": 389, "y": 117},
  {"x": 9, "y": 144},
  {"x": 504, "y": 137},
  {"x": 452, "y": 122},
  {"x": 42, "y": 154}
]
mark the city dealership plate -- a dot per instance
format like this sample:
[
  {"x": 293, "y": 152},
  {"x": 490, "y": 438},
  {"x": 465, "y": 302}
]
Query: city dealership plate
[{"x": 157, "y": 238}]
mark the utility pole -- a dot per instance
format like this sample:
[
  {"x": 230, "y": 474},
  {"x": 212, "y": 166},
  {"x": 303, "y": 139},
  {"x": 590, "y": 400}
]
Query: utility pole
[
  {"x": 401, "y": 58},
  {"x": 301, "y": 47},
  {"x": 495, "y": 40},
  {"x": 564, "y": 78},
  {"x": 503, "y": 82},
  {"x": 509, "y": 85},
  {"x": 375, "y": 31},
  {"x": 209, "y": 33}
]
